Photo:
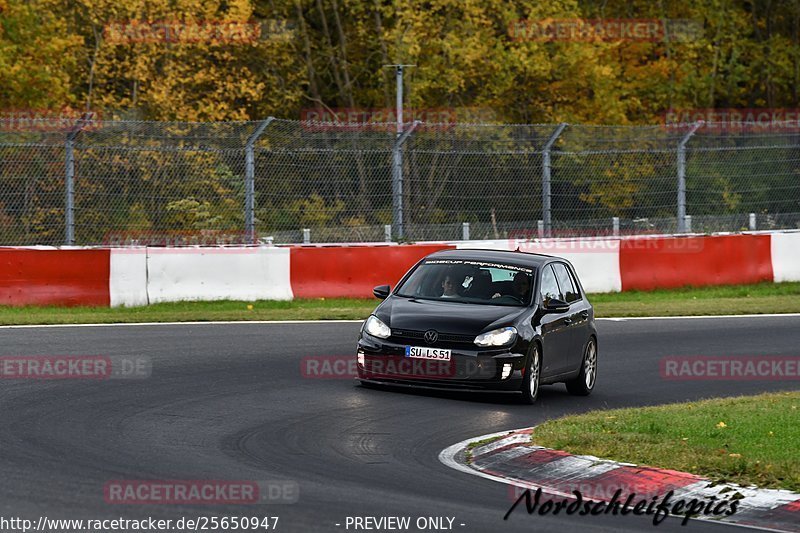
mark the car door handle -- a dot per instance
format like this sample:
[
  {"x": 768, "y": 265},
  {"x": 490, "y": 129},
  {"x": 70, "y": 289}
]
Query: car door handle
[{"x": 585, "y": 314}]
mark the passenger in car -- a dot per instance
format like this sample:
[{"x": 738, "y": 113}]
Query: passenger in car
[
  {"x": 449, "y": 287},
  {"x": 520, "y": 287},
  {"x": 481, "y": 285}
]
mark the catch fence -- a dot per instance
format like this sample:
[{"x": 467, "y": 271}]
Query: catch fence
[{"x": 97, "y": 182}]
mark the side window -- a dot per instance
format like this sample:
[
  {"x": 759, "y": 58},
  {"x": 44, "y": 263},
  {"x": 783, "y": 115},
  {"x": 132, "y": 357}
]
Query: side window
[
  {"x": 549, "y": 285},
  {"x": 575, "y": 284},
  {"x": 570, "y": 292}
]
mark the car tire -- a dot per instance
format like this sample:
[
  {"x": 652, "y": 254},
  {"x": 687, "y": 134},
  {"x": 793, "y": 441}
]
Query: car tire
[
  {"x": 584, "y": 382},
  {"x": 531, "y": 382}
]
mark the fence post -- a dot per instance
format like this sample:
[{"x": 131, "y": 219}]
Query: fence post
[
  {"x": 615, "y": 226},
  {"x": 397, "y": 179},
  {"x": 249, "y": 181},
  {"x": 465, "y": 231},
  {"x": 69, "y": 185},
  {"x": 682, "y": 176},
  {"x": 546, "y": 204},
  {"x": 752, "y": 221}
]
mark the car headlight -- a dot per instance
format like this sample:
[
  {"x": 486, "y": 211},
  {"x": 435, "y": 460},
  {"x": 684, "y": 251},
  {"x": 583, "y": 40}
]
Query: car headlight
[
  {"x": 497, "y": 337},
  {"x": 376, "y": 328}
]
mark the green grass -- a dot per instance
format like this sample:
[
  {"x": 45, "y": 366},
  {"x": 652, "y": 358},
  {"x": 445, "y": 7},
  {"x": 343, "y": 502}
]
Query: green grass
[
  {"x": 306, "y": 309},
  {"x": 761, "y": 298},
  {"x": 472, "y": 445},
  {"x": 746, "y": 440},
  {"x": 723, "y": 300}
]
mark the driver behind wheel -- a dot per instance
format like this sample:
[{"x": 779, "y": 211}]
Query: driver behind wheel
[{"x": 521, "y": 287}]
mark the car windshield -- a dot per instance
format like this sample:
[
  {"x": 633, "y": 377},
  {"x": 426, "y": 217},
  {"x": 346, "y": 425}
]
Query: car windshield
[{"x": 468, "y": 281}]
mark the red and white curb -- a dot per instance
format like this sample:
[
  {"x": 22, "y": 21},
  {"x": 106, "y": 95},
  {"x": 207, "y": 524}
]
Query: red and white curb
[{"x": 514, "y": 461}]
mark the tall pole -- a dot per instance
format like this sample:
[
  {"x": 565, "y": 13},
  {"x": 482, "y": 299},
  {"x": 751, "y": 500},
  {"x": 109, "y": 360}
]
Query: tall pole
[
  {"x": 69, "y": 189},
  {"x": 397, "y": 167},
  {"x": 399, "y": 105},
  {"x": 547, "y": 212},
  {"x": 69, "y": 182},
  {"x": 249, "y": 182},
  {"x": 397, "y": 155},
  {"x": 682, "y": 176}
]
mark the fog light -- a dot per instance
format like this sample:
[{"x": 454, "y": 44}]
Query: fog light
[
  {"x": 506, "y": 370},
  {"x": 360, "y": 358}
]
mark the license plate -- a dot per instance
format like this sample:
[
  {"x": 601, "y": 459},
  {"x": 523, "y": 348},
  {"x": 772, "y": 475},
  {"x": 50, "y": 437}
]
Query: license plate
[{"x": 423, "y": 352}]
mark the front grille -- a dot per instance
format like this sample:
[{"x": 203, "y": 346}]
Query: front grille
[{"x": 408, "y": 335}]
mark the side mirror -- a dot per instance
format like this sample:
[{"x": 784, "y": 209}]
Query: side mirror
[
  {"x": 556, "y": 306},
  {"x": 381, "y": 291}
]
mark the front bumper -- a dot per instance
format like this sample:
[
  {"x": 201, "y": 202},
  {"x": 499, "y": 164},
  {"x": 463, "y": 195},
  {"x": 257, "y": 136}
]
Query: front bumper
[{"x": 470, "y": 368}]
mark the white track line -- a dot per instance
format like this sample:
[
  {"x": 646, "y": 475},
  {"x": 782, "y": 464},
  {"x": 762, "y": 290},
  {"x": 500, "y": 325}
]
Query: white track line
[
  {"x": 447, "y": 456},
  {"x": 226, "y": 322},
  {"x": 683, "y": 317},
  {"x": 201, "y": 323}
]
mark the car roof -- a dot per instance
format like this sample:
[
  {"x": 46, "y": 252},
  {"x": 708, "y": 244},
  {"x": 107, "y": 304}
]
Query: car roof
[{"x": 496, "y": 256}]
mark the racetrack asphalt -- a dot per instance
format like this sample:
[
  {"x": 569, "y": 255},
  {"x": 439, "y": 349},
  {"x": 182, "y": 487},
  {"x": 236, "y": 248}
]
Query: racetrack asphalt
[{"x": 230, "y": 402}]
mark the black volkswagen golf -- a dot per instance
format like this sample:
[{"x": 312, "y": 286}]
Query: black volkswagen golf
[{"x": 482, "y": 320}]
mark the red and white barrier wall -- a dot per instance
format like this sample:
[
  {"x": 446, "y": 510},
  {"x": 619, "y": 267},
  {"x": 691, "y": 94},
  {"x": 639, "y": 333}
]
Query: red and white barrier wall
[
  {"x": 141, "y": 276},
  {"x": 647, "y": 263},
  {"x": 596, "y": 261},
  {"x": 785, "y": 255},
  {"x": 352, "y": 271},
  {"x": 49, "y": 276}
]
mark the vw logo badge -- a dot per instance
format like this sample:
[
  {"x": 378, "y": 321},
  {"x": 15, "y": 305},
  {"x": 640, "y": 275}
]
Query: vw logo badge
[{"x": 431, "y": 336}]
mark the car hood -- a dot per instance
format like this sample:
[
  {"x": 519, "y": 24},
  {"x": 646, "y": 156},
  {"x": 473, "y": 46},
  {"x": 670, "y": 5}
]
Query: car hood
[{"x": 444, "y": 316}]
